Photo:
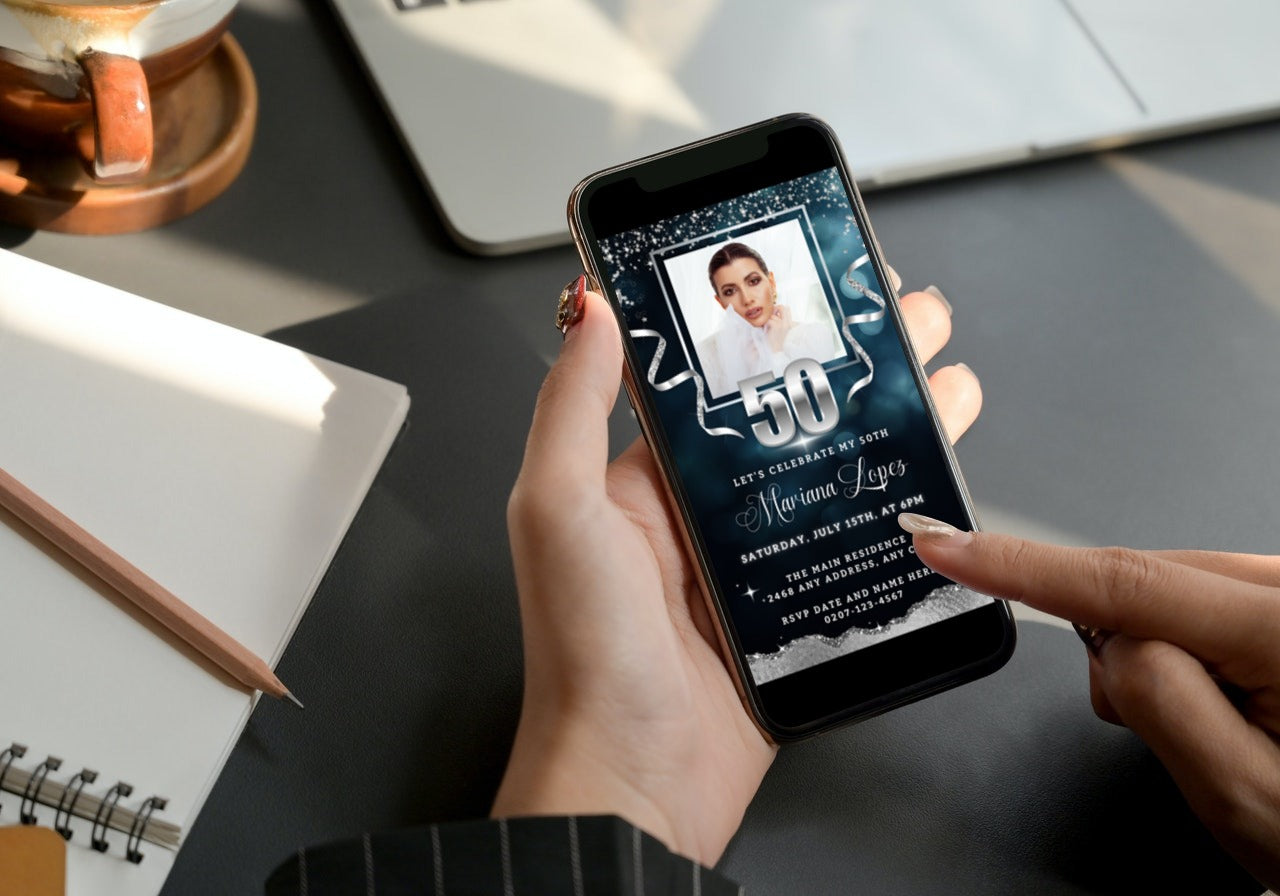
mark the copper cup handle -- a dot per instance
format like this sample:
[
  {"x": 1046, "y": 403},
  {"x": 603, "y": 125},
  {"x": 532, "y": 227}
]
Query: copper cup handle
[{"x": 123, "y": 138}]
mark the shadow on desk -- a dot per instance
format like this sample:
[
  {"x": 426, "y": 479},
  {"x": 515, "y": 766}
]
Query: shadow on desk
[{"x": 409, "y": 664}]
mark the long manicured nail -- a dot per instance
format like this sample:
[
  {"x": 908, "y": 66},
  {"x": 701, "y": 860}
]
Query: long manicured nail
[
  {"x": 570, "y": 307},
  {"x": 1092, "y": 636},
  {"x": 937, "y": 294},
  {"x": 933, "y": 530}
]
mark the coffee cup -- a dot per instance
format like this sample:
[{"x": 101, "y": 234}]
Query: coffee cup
[{"x": 77, "y": 75}]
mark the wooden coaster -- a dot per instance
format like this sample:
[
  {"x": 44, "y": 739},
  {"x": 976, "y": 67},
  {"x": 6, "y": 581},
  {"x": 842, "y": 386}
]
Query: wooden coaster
[{"x": 203, "y": 130}]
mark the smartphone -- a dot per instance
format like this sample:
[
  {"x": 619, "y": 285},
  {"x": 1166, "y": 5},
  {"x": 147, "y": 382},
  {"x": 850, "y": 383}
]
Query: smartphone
[{"x": 769, "y": 369}]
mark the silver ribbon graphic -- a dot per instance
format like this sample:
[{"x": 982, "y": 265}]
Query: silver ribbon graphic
[
  {"x": 683, "y": 377},
  {"x": 864, "y": 318}
]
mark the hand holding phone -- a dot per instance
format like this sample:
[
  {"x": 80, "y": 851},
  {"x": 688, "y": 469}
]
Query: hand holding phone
[{"x": 629, "y": 708}]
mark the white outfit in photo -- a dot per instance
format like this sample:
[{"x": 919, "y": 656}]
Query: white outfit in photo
[{"x": 737, "y": 350}]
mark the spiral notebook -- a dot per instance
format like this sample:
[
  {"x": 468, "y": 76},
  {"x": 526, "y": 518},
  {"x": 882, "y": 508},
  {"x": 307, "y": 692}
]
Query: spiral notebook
[{"x": 225, "y": 466}]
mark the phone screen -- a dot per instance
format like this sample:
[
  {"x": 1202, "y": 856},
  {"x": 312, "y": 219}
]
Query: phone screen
[{"x": 769, "y": 350}]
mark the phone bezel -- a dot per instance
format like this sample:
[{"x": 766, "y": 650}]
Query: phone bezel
[{"x": 700, "y": 174}]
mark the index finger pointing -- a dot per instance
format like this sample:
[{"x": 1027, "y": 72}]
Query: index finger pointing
[{"x": 1213, "y": 616}]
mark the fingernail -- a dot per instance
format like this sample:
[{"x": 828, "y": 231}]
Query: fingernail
[
  {"x": 934, "y": 530},
  {"x": 937, "y": 294},
  {"x": 569, "y": 309},
  {"x": 1092, "y": 636},
  {"x": 964, "y": 366}
]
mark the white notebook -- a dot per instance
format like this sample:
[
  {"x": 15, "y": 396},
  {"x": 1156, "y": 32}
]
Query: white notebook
[{"x": 225, "y": 466}]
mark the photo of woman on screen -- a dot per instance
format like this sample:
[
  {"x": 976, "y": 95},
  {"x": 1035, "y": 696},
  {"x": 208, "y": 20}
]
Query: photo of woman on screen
[{"x": 757, "y": 332}]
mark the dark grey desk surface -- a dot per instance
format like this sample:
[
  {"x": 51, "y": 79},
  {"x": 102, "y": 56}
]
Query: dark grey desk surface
[{"x": 1123, "y": 311}]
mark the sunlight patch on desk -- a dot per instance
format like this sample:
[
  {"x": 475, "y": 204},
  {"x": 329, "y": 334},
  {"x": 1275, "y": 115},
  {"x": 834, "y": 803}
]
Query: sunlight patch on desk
[{"x": 1246, "y": 250}]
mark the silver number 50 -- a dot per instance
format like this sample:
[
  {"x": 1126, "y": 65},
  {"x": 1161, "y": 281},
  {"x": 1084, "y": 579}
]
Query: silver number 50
[{"x": 814, "y": 415}]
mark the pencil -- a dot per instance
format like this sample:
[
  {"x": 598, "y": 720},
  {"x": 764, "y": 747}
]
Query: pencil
[{"x": 144, "y": 592}]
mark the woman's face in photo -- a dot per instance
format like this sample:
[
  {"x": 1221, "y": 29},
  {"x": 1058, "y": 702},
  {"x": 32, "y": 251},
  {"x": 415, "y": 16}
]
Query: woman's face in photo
[{"x": 750, "y": 291}]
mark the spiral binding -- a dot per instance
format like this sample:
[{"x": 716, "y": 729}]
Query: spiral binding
[{"x": 68, "y": 799}]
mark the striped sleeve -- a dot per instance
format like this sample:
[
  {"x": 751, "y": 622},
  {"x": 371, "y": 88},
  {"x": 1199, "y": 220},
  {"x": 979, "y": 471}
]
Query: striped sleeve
[{"x": 575, "y": 856}]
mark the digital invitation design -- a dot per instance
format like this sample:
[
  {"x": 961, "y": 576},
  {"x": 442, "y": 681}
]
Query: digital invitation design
[{"x": 790, "y": 408}]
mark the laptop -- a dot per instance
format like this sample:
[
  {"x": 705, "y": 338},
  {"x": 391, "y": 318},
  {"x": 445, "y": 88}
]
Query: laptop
[{"x": 504, "y": 105}]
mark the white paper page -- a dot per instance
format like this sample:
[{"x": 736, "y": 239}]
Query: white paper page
[{"x": 225, "y": 466}]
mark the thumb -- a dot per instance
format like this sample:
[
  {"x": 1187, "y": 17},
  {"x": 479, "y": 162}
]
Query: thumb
[{"x": 568, "y": 445}]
